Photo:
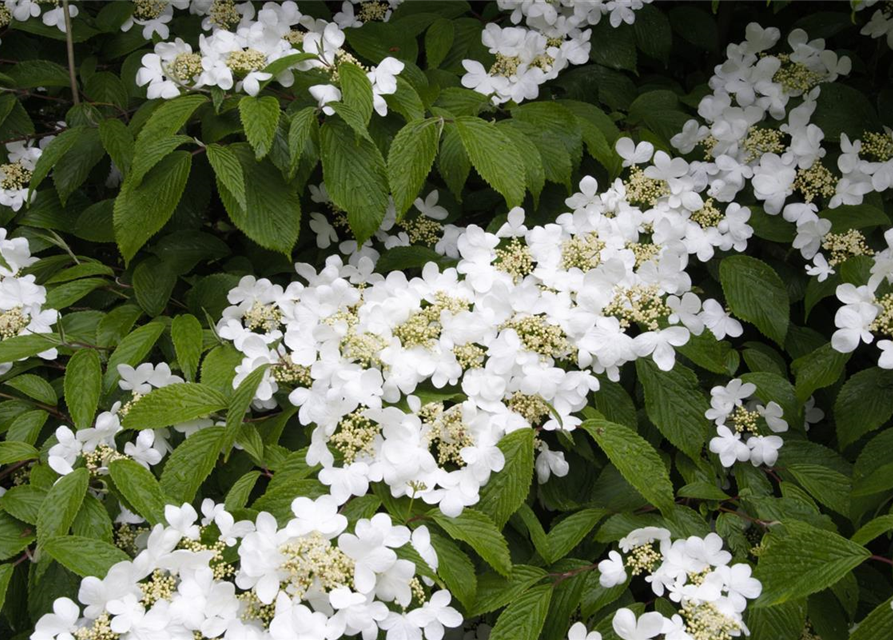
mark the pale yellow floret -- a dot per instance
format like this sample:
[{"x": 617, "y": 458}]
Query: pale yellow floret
[
  {"x": 373, "y": 10},
  {"x": 422, "y": 230},
  {"x": 640, "y": 304},
  {"x": 223, "y": 14},
  {"x": 469, "y": 356},
  {"x": 100, "y": 629},
  {"x": 148, "y": 9},
  {"x": 355, "y": 435},
  {"x": 640, "y": 189},
  {"x": 744, "y": 421},
  {"x": 244, "y": 62},
  {"x": 815, "y": 181},
  {"x": 539, "y": 336},
  {"x": 845, "y": 245},
  {"x": 760, "y": 141},
  {"x": 708, "y": 215},
  {"x": 15, "y": 176},
  {"x": 796, "y": 77},
  {"x": 185, "y": 68},
  {"x": 315, "y": 560},
  {"x": 705, "y": 622},
  {"x": 12, "y": 322},
  {"x": 884, "y": 321},
  {"x": 532, "y": 407},
  {"x": 643, "y": 251},
  {"x": 878, "y": 146},
  {"x": 643, "y": 559},
  {"x": 583, "y": 251},
  {"x": 515, "y": 259}
]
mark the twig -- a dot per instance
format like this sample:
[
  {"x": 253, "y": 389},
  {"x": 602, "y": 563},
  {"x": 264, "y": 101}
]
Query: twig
[
  {"x": 69, "y": 41},
  {"x": 882, "y": 559}
]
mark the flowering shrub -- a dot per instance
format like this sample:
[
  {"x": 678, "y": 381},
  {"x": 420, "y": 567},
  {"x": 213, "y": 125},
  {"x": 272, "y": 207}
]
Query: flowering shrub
[{"x": 418, "y": 320}]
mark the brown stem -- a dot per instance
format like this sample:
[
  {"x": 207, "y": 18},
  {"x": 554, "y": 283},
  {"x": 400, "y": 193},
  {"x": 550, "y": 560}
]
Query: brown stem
[
  {"x": 882, "y": 559},
  {"x": 69, "y": 41}
]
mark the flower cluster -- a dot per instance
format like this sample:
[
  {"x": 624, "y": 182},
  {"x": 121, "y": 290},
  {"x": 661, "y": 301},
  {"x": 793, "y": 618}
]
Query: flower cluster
[
  {"x": 21, "y": 298},
  {"x": 97, "y": 446},
  {"x": 240, "y": 52},
  {"x": 525, "y": 59},
  {"x": 51, "y": 13},
  {"x": 566, "y": 17},
  {"x": 881, "y": 23},
  {"x": 695, "y": 573},
  {"x": 355, "y": 13},
  {"x": 738, "y": 425},
  {"x": 415, "y": 381},
  {"x": 867, "y": 310},
  {"x": 15, "y": 173},
  {"x": 309, "y": 579}
]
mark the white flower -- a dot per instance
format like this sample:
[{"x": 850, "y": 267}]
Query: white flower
[
  {"x": 632, "y": 153},
  {"x": 628, "y": 628},
  {"x": 429, "y": 207},
  {"x": 612, "y": 570},
  {"x": 764, "y": 449},
  {"x": 578, "y": 631},
  {"x": 729, "y": 447},
  {"x": 316, "y": 515},
  {"x": 59, "y": 625}
]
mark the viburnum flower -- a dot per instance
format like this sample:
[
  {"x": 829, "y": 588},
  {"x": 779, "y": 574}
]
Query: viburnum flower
[{"x": 647, "y": 626}]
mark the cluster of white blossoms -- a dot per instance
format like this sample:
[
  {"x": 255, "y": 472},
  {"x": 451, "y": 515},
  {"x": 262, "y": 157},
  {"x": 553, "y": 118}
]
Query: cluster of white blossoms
[
  {"x": 413, "y": 381},
  {"x": 867, "y": 310},
  {"x": 311, "y": 579},
  {"x": 355, "y": 13},
  {"x": 555, "y": 19},
  {"x": 695, "y": 573},
  {"x": 15, "y": 173},
  {"x": 21, "y": 298},
  {"x": 739, "y": 420},
  {"x": 51, "y": 13},
  {"x": 525, "y": 59},
  {"x": 99, "y": 445},
  {"x": 881, "y": 23},
  {"x": 241, "y": 47}
]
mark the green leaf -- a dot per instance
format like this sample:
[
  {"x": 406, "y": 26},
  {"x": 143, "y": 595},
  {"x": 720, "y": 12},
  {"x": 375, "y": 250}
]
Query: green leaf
[
  {"x": 260, "y": 118},
  {"x": 495, "y": 591},
  {"x": 818, "y": 369},
  {"x": 772, "y": 387},
  {"x": 829, "y": 487},
  {"x": 173, "y": 404},
  {"x": 26, "y": 426},
  {"x": 228, "y": 171},
  {"x": 186, "y": 333},
  {"x": 25, "y": 346},
  {"x": 496, "y": 160},
  {"x": 52, "y": 154},
  {"x": 479, "y": 532},
  {"x": 438, "y": 41},
  {"x": 568, "y": 533},
  {"x": 756, "y": 294},
  {"x": 636, "y": 460},
  {"x": 781, "y": 622},
  {"x": 153, "y": 284},
  {"x": 190, "y": 464},
  {"x": 356, "y": 90},
  {"x": 653, "y": 34},
  {"x": 84, "y": 556},
  {"x": 453, "y": 162},
  {"x": 141, "y": 211},
  {"x": 410, "y": 159},
  {"x": 865, "y": 402},
  {"x": 356, "y": 177},
  {"x": 508, "y": 488},
  {"x": 524, "y": 618},
  {"x": 805, "y": 560},
  {"x": 411, "y": 257},
  {"x": 272, "y": 217},
  {"x": 168, "y": 118},
  {"x": 28, "y": 74},
  {"x": 304, "y": 126},
  {"x": 841, "y": 108},
  {"x": 872, "y": 529},
  {"x": 131, "y": 350},
  {"x": 23, "y": 502},
  {"x": 14, "y": 451},
  {"x": 5, "y": 576},
  {"x": 151, "y": 153},
  {"x": 239, "y": 404},
  {"x": 877, "y": 624},
  {"x": 14, "y": 536},
  {"x": 456, "y": 570},
  {"x": 62, "y": 504},
  {"x": 616, "y": 46},
  {"x": 855, "y": 216},
  {"x": 34, "y": 387},
  {"x": 695, "y": 26},
  {"x": 140, "y": 488},
  {"x": 65, "y": 295},
  {"x": 238, "y": 494},
  {"x": 536, "y": 167},
  {"x": 676, "y": 405},
  {"x": 83, "y": 386},
  {"x": 93, "y": 521}
]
